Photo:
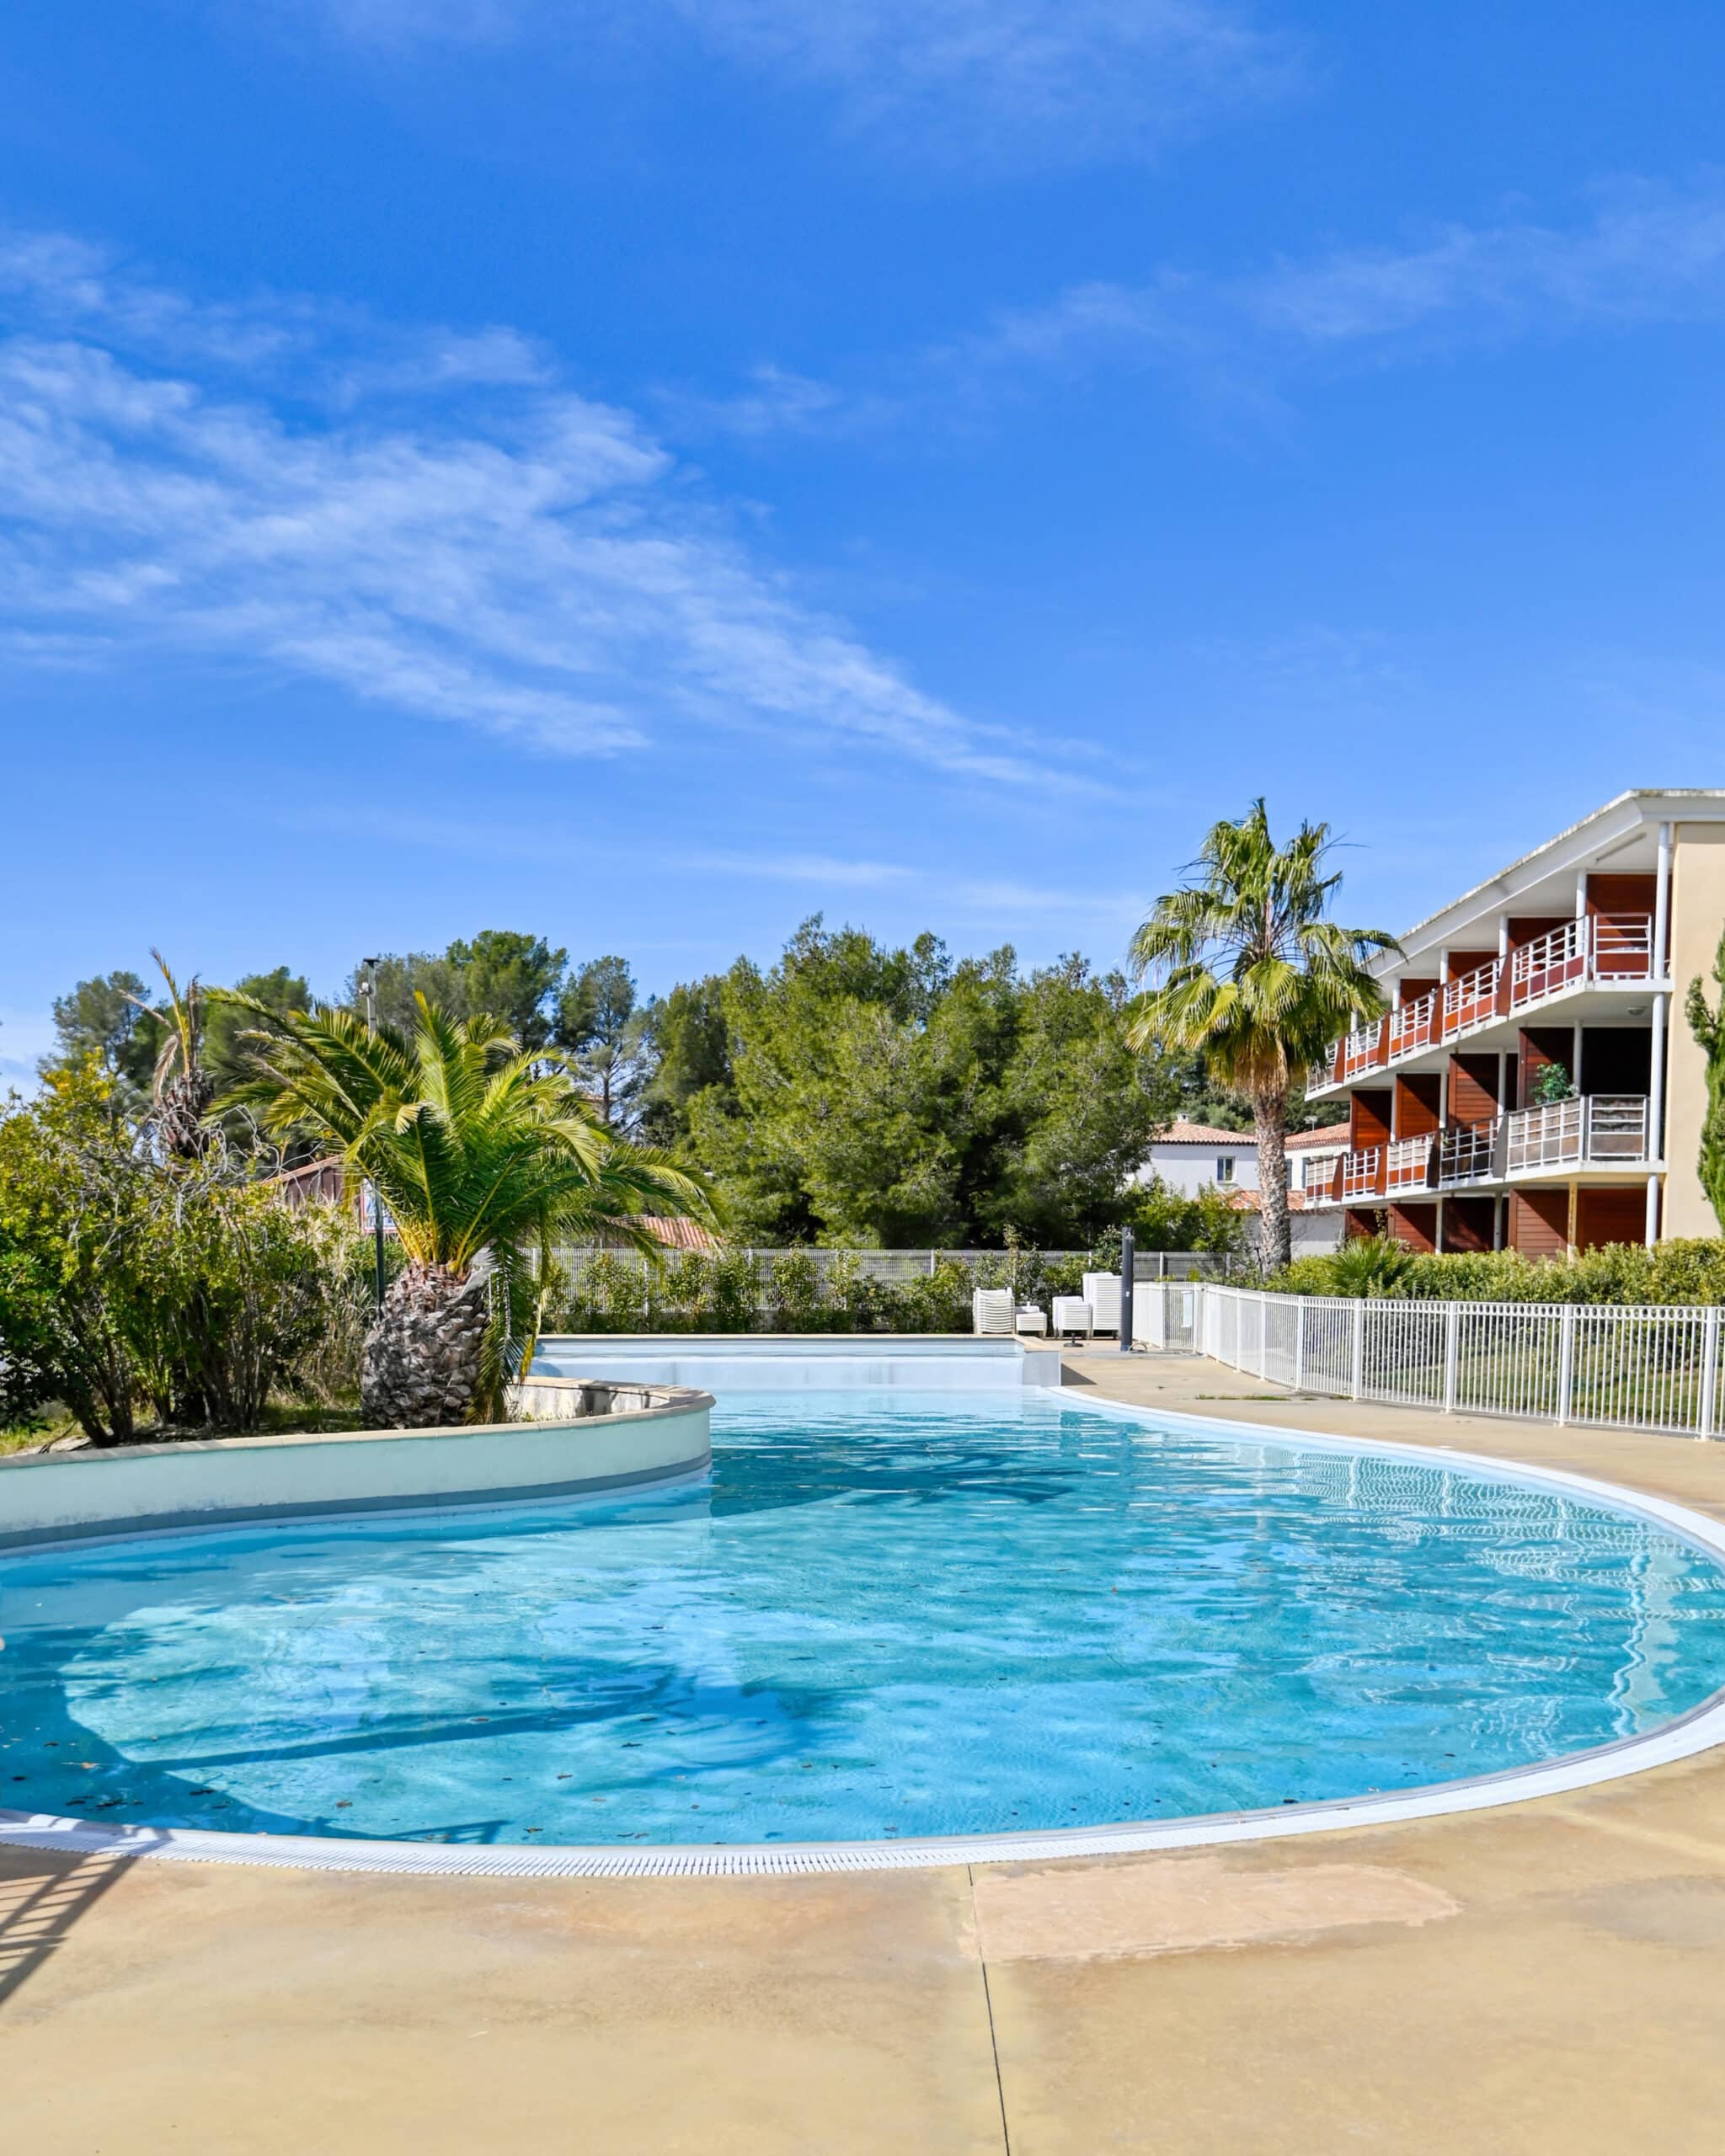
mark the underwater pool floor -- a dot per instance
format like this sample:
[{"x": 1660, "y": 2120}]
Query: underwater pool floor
[{"x": 884, "y": 1616}]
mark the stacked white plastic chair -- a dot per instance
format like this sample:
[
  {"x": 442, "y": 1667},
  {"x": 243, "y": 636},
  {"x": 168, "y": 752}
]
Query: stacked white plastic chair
[
  {"x": 1102, "y": 1291},
  {"x": 991, "y": 1310},
  {"x": 1072, "y": 1315}
]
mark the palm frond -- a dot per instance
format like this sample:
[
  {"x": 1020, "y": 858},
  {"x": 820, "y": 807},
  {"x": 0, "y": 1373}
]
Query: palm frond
[{"x": 472, "y": 1144}]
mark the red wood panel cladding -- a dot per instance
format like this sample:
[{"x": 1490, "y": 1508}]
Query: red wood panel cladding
[
  {"x": 1539, "y": 1222},
  {"x": 1609, "y": 1214},
  {"x": 1416, "y": 1226},
  {"x": 1621, "y": 893},
  {"x": 1369, "y": 1117},
  {"x": 1541, "y": 1045},
  {"x": 1412, "y": 990},
  {"x": 1461, "y": 963},
  {"x": 1357, "y": 1222},
  {"x": 1467, "y": 1223},
  {"x": 1473, "y": 1088},
  {"x": 1528, "y": 928},
  {"x": 1417, "y": 1104}
]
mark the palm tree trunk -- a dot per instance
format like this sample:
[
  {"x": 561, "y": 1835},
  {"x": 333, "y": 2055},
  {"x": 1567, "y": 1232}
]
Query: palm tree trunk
[
  {"x": 1269, "y": 1113},
  {"x": 422, "y": 1360}
]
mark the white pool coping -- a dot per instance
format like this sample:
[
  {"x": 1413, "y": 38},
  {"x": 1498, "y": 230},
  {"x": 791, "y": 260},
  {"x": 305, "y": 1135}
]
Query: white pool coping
[
  {"x": 1700, "y": 1730},
  {"x": 803, "y": 1362}
]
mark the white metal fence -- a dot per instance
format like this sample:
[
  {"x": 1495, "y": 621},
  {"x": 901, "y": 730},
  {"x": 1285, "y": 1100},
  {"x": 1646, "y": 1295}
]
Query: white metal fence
[
  {"x": 1637, "y": 1367},
  {"x": 896, "y": 1267}
]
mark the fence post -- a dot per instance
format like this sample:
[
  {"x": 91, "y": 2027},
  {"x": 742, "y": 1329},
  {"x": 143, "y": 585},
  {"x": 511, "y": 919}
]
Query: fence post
[
  {"x": 1710, "y": 1371},
  {"x": 1299, "y": 1343},
  {"x": 1264, "y": 1339},
  {"x": 1358, "y": 1371},
  {"x": 1452, "y": 1353},
  {"x": 1566, "y": 1361}
]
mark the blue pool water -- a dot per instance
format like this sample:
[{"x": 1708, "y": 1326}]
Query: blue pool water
[{"x": 884, "y": 1615}]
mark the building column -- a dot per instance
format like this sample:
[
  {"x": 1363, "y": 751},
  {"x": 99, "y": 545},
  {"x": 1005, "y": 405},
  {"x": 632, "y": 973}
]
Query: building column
[
  {"x": 1500, "y": 1206},
  {"x": 1662, "y": 904},
  {"x": 1574, "y": 1209},
  {"x": 1659, "y": 1046}
]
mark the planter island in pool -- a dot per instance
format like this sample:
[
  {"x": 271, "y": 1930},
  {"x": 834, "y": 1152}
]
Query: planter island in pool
[{"x": 576, "y": 1437}]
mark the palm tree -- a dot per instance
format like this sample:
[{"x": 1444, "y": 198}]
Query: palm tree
[
  {"x": 181, "y": 1089},
  {"x": 1246, "y": 971},
  {"x": 479, "y": 1150}
]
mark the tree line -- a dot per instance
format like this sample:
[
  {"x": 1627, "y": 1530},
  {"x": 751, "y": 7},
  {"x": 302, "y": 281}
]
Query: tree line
[{"x": 850, "y": 1092}]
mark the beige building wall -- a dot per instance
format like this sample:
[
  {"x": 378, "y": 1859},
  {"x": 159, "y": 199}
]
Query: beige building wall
[{"x": 1697, "y": 920}]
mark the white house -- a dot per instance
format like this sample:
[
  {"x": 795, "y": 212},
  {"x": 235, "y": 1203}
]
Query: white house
[{"x": 1188, "y": 1157}]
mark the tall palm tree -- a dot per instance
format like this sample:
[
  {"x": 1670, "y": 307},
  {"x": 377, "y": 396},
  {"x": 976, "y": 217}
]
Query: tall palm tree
[
  {"x": 181, "y": 1089},
  {"x": 1245, "y": 969},
  {"x": 477, "y": 1149}
]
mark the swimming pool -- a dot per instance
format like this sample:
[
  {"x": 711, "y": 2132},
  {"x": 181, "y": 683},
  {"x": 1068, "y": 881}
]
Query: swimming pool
[{"x": 884, "y": 1616}]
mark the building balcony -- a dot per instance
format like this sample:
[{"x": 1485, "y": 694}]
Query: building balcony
[
  {"x": 1605, "y": 1133},
  {"x": 1600, "y": 952}
]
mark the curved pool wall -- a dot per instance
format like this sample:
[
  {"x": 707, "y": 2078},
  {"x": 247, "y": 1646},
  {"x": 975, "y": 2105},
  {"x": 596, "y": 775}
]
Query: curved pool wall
[
  {"x": 801, "y": 1362},
  {"x": 230, "y": 1481},
  {"x": 1700, "y": 1730}
]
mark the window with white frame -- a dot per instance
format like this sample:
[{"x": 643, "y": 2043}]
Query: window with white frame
[{"x": 1224, "y": 1170}]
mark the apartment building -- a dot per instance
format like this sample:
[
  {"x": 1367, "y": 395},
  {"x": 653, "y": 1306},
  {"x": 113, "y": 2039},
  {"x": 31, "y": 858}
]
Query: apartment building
[{"x": 1533, "y": 1086}]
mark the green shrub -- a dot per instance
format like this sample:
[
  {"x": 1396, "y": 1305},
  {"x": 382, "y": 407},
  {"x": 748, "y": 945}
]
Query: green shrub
[
  {"x": 794, "y": 1296},
  {"x": 1369, "y": 1265},
  {"x": 610, "y": 1296},
  {"x": 682, "y": 1301},
  {"x": 934, "y": 1302},
  {"x": 736, "y": 1292},
  {"x": 1685, "y": 1272},
  {"x": 135, "y": 1283},
  {"x": 859, "y": 1301}
]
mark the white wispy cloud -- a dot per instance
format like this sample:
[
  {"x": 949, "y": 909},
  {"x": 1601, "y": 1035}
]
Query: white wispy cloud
[
  {"x": 994, "y": 900},
  {"x": 775, "y": 401},
  {"x": 1060, "y": 82},
  {"x": 427, "y": 519},
  {"x": 1647, "y": 251}
]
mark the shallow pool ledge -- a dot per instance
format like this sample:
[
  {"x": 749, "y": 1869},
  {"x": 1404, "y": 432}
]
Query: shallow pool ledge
[
  {"x": 582, "y": 1438},
  {"x": 804, "y": 1362}
]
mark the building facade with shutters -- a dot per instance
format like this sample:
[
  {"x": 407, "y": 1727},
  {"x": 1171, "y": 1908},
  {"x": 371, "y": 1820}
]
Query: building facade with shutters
[{"x": 1534, "y": 1086}]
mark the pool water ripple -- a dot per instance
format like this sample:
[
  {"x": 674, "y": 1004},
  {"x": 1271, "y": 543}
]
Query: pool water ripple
[{"x": 885, "y": 1616}]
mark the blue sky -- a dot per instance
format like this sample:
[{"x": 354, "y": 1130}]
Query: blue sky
[{"x": 646, "y": 470}]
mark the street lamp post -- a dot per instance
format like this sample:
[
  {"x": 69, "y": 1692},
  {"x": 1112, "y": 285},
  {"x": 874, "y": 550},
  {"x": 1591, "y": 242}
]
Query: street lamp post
[{"x": 367, "y": 985}]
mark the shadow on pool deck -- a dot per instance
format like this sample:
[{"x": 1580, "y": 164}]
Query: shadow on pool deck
[{"x": 44, "y": 1893}]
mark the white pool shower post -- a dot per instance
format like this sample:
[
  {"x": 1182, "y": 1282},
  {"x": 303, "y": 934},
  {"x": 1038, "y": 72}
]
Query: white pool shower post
[{"x": 1128, "y": 1259}]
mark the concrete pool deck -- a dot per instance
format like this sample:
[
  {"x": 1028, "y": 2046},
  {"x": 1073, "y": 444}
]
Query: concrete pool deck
[{"x": 1544, "y": 1977}]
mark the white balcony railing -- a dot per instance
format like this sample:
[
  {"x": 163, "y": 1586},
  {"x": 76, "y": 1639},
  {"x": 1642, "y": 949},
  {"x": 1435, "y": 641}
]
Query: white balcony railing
[
  {"x": 1363, "y": 1173},
  {"x": 1407, "y": 1164},
  {"x": 1469, "y": 1153},
  {"x": 1472, "y": 1000},
  {"x": 1363, "y": 1049},
  {"x": 1602, "y": 1128},
  {"x": 1620, "y": 947},
  {"x": 1603, "y": 949},
  {"x": 1414, "y": 1025}
]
